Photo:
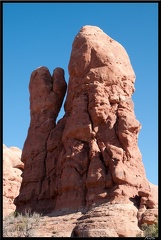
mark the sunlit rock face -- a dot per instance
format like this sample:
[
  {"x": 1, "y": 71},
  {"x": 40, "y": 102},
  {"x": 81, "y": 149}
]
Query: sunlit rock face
[
  {"x": 89, "y": 161},
  {"x": 12, "y": 170}
]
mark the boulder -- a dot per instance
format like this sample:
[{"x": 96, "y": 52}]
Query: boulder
[{"x": 12, "y": 170}]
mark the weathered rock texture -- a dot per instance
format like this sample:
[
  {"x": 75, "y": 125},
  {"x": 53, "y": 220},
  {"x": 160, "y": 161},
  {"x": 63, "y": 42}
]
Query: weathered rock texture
[
  {"x": 89, "y": 161},
  {"x": 12, "y": 170}
]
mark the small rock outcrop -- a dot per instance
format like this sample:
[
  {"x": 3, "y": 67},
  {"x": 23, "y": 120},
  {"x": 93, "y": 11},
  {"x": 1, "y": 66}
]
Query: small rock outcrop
[
  {"x": 89, "y": 161},
  {"x": 12, "y": 170}
]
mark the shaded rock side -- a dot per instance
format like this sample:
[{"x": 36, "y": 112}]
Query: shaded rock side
[
  {"x": 91, "y": 156},
  {"x": 12, "y": 170}
]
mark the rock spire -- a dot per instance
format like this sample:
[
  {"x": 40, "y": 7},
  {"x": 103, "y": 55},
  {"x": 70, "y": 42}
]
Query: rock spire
[{"x": 89, "y": 161}]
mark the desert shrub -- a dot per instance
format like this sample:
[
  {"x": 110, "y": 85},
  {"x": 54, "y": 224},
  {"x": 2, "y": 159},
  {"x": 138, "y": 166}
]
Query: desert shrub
[
  {"x": 18, "y": 225},
  {"x": 150, "y": 230}
]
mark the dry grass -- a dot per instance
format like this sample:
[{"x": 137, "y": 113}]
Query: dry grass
[{"x": 18, "y": 225}]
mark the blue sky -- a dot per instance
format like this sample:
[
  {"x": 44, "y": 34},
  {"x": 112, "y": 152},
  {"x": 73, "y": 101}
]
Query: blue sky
[{"x": 41, "y": 34}]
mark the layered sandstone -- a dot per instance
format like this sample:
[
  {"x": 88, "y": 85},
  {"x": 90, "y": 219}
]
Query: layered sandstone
[
  {"x": 89, "y": 161},
  {"x": 12, "y": 170}
]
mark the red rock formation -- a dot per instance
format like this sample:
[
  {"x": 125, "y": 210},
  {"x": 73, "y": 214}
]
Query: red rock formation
[
  {"x": 12, "y": 169},
  {"x": 90, "y": 158}
]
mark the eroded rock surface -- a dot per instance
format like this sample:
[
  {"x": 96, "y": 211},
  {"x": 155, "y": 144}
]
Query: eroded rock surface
[
  {"x": 12, "y": 170},
  {"x": 90, "y": 158}
]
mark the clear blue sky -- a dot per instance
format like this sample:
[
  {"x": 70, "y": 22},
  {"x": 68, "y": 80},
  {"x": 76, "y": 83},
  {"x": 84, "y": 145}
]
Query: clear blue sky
[{"x": 41, "y": 34}]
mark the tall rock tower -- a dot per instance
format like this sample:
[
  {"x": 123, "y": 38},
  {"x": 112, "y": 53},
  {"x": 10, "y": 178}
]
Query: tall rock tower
[{"x": 89, "y": 161}]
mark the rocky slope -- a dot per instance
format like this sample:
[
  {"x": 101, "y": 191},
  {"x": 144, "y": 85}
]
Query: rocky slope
[
  {"x": 89, "y": 161},
  {"x": 12, "y": 170}
]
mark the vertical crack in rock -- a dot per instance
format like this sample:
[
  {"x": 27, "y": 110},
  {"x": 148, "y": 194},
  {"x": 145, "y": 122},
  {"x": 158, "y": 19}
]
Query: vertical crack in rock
[
  {"x": 90, "y": 118},
  {"x": 41, "y": 193},
  {"x": 89, "y": 161},
  {"x": 93, "y": 134}
]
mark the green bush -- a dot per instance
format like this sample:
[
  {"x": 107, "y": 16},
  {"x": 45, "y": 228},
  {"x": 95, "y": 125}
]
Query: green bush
[
  {"x": 150, "y": 230},
  {"x": 18, "y": 225}
]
